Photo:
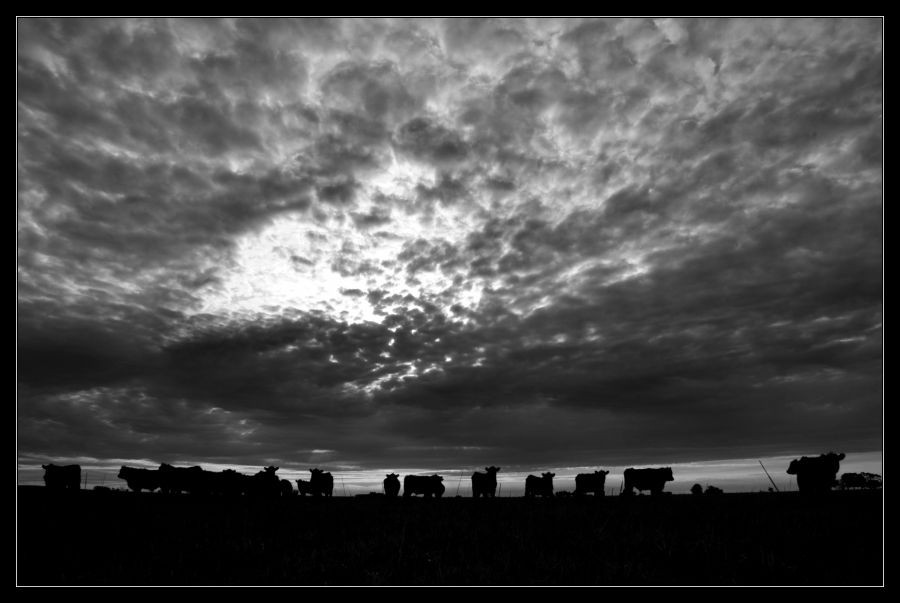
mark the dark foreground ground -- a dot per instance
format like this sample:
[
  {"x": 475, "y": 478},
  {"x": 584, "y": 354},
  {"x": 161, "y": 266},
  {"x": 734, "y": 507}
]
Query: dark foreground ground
[{"x": 122, "y": 538}]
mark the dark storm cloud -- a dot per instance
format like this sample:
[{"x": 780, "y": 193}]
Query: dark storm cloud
[{"x": 449, "y": 242}]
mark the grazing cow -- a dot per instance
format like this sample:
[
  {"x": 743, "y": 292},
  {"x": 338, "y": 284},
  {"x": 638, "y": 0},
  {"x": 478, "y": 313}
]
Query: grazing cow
[
  {"x": 426, "y": 485},
  {"x": 139, "y": 479},
  {"x": 591, "y": 482},
  {"x": 816, "y": 474},
  {"x": 304, "y": 488},
  {"x": 859, "y": 481},
  {"x": 392, "y": 485},
  {"x": 485, "y": 484},
  {"x": 539, "y": 486},
  {"x": 62, "y": 477},
  {"x": 647, "y": 479},
  {"x": 287, "y": 489},
  {"x": 322, "y": 482}
]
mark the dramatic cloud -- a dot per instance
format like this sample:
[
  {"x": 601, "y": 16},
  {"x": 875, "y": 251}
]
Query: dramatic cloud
[{"x": 444, "y": 244}]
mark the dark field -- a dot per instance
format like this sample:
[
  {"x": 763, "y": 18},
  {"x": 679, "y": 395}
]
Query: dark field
[{"x": 121, "y": 538}]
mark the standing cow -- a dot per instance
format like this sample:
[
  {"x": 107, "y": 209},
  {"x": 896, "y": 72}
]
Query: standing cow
[
  {"x": 647, "y": 479},
  {"x": 591, "y": 482},
  {"x": 265, "y": 483},
  {"x": 139, "y": 479},
  {"x": 65, "y": 477},
  {"x": 321, "y": 482},
  {"x": 539, "y": 486},
  {"x": 392, "y": 485},
  {"x": 287, "y": 490},
  {"x": 234, "y": 484},
  {"x": 485, "y": 484},
  {"x": 426, "y": 485},
  {"x": 816, "y": 475},
  {"x": 175, "y": 480},
  {"x": 304, "y": 487}
]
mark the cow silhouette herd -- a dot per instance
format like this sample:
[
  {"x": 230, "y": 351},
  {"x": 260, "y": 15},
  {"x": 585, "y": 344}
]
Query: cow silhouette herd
[{"x": 815, "y": 475}]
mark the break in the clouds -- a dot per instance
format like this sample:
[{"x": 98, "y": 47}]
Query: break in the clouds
[{"x": 427, "y": 243}]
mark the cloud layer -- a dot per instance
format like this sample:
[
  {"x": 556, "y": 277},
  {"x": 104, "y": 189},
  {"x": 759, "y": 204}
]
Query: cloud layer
[{"x": 378, "y": 243}]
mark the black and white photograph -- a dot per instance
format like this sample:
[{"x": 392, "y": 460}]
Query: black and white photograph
[{"x": 449, "y": 301}]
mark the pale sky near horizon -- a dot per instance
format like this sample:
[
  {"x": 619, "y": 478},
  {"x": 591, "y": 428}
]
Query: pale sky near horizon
[{"x": 369, "y": 243}]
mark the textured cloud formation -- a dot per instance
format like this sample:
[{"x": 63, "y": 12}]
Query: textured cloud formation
[{"x": 378, "y": 243}]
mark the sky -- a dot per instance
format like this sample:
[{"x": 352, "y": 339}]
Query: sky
[{"x": 436, "y": 245}]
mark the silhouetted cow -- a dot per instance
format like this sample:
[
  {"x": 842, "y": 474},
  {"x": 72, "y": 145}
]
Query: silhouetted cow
[
  {"x": 62, "y": 477},
  {"x": 220, "y": 483},
  {"x": 647, "y": 479},
  {"x": 713, "y": 491},
  {"x": 265, "y": 484},
  {"x": 232, "y": 483},
  {"x": 321, "y": 482},
  {"x": 304, "y": 487},
  {"x": 591, "y": 482},
  {"x": 392, "y": 485},
  {"x": 816, "y": 475},
  {"x": 426, "y": 485},
  {"x": 485, "y": 484},
  {"x": 287, "y": 489},
  {"x": 139, "y": 479},
  {"x": 539, "y": 486},
  {"x": 175, "y": 480}
]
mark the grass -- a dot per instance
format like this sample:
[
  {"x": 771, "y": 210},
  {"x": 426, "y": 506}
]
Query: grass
[{"x": 121, "y": 538}]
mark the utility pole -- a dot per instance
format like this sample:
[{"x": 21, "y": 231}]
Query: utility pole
[{"x": 769, "y": 476}]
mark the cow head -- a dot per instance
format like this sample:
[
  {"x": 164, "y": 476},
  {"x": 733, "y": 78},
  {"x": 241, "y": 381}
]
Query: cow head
[
  {"x": 548, "y": 475},
  {"x": 393, "y": 475},
  {"x": 270, "y": 470},
  {"x": 437, "y": 478},
  {"x": 316, "y": 472},
  {"x": 123, "y": 471},
  {"x": 45, "y": 467},
  {"x": 667, "y": 474},
  {"x": 601, "y": 473},
  {"x": 492, "y": 470}
]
